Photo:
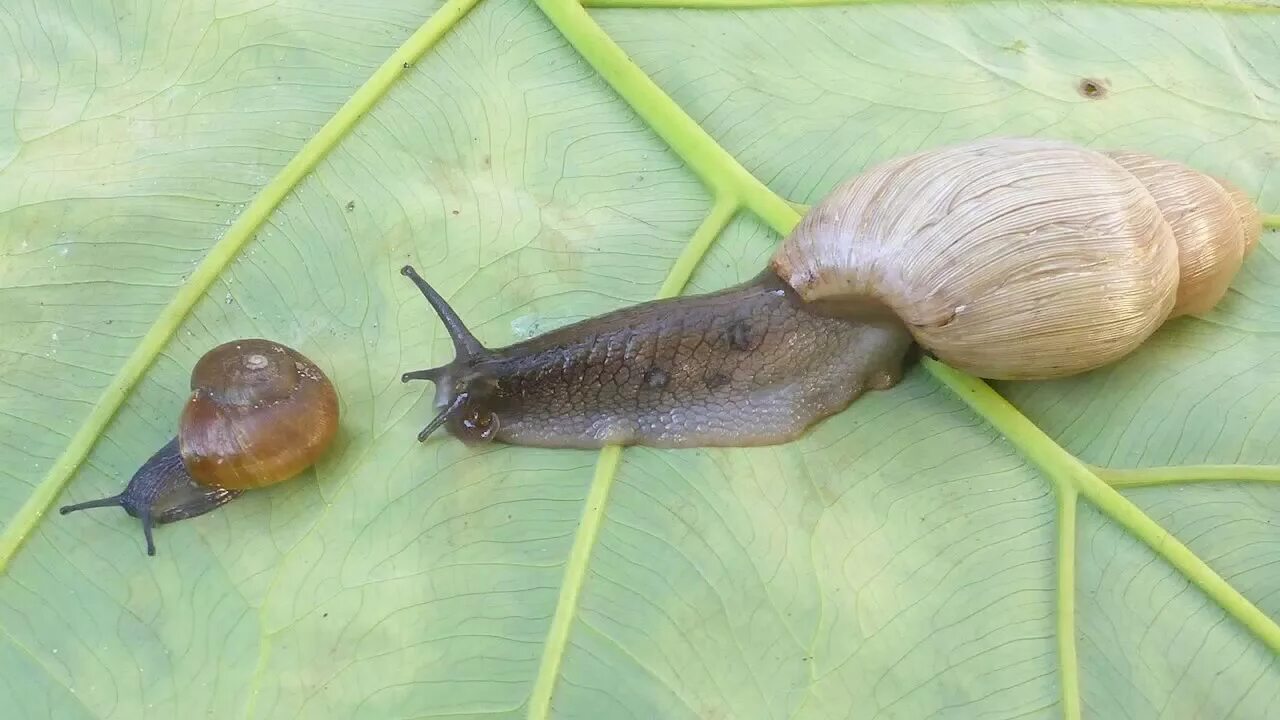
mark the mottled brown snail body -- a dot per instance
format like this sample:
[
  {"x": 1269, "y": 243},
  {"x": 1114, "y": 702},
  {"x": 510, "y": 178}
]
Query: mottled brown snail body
[
  {"x": 749, "y": 365},
  {"x": 259, "y": 413},
  {"x": 1007, "y": 258}
]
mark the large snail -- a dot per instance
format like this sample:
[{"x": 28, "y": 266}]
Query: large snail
[
  {"x": 259, "y": 414},
  {"x": 1006, "y": 258}
]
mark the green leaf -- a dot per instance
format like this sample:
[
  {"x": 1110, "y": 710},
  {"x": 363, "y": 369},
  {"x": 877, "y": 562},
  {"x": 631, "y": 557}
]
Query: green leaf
[{"x": 174, "y": 175}]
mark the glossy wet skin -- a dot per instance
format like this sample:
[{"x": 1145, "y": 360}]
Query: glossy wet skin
[
  {"x": 749, "y": 365},
  {"x": 162, "y": 491}
]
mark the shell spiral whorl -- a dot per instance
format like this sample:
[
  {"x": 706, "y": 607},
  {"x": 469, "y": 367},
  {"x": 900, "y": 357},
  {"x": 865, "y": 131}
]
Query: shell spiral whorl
[
  {"x": 1215, "y": 227},
  {"x": 259, "y": 414},
  {"x": 1014, "y": 258}
]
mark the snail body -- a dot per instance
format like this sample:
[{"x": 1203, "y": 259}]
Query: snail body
[
  {"x": 744, "y": 366},
  {"x": 259, "y": 413},
  {"x": 1007, "y": 258}
]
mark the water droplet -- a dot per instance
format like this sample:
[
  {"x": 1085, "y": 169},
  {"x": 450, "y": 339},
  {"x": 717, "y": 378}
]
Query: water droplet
[{"x": 526, "y": 326}]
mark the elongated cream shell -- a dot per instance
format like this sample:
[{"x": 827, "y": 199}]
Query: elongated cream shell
[{"x": 1014, "y": 258}]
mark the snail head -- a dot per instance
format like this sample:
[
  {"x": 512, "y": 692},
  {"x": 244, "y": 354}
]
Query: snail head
[{"x": 464, "y": 385}]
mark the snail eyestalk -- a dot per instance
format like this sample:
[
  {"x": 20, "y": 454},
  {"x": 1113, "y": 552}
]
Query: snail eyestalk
[
  {"x": 464, "y": 343},
  {"x": 431, "y": 374},
  {"x": 113, "y": 501},
  {"x": 443, "y": 417}
]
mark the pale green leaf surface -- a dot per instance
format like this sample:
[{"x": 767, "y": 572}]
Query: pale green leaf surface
[
  {"x": 901, "y": 560},
  {"x": 1152, "y": 646}
]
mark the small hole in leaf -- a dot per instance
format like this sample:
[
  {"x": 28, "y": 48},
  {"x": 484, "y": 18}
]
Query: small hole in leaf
[{"x": 1092, "y": 88}]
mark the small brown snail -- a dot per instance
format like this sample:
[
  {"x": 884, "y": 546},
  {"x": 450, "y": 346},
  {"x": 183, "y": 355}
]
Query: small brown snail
[
  {"x": 259, "y": 414},
  {"x": 1007, "y": 258}
]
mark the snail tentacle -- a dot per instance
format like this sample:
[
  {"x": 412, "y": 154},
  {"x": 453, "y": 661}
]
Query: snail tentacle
[
  {"x": 162, "y": 491},
  {"x": 464, "y": 342}
]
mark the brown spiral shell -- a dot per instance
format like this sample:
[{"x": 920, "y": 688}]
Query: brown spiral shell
[{"x": 259, "y": 413}]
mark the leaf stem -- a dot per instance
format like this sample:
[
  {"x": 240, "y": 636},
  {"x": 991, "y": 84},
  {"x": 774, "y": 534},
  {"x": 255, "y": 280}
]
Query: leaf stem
[
  {"x": 373, "y": 89},
  {"x": 732, "y": 187},
  {"x": 1070, "y": 670},
  {"x": 1064, "y": 468},
  {"x": 575, "y": 575},
  {"x": 722, "y": 211},
  {"x": 1271, "y": 221},
  {"x": 712, "y": 163},
  {"x": 1147, "y": 477}
]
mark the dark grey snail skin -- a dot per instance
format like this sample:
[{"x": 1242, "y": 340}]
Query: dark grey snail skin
[
  {"x": 160, "y": 492},
  {"x": 746, "y": 366}
]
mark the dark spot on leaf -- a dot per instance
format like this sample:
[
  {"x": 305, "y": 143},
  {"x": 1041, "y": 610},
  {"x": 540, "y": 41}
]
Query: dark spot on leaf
[
  {"x": 406, "y": 66},
  {"x": 655, "y": 378},
  {"x": 1092, "y": 88},
  {"x": 716, "y": 380},
  {"x": 351, "y": 205},
  {"x": 455, "y": 212}
]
